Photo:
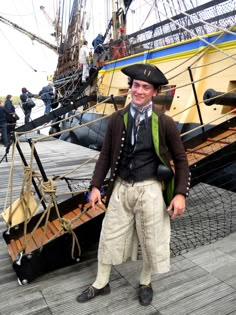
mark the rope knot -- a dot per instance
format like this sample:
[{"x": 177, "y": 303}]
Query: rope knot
[
  {"x": 49, "y": 187},
  {"x": 27, "y": 171},
  {"x": 66, "y": 225}
]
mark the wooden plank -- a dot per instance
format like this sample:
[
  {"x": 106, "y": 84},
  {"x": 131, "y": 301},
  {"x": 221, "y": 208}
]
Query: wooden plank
[
  {"x": 219, "y": 141},
  {"x": 85, "y": 217},
  {"x": 18, "y": 245},
  {"x": 48, "y": 232},
  {"x": 30, "y": 243},
  {"x": 195, "y": 299},
  {"x": 78, "y": 221},
  {"x": 98, "y": 210},
  {"x": 13, "y": 250},
  {"x": 57, "y": 224},
  {"x": 197, "y": 152},
  {"x": 52, "y": 228},
  {"x": 38, "y": 237}
]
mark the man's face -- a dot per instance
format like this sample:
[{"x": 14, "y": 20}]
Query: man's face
[{"x": 142, "y": 92}]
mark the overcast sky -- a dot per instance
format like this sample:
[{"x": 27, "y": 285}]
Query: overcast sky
[{"x": 23, "y": 62}]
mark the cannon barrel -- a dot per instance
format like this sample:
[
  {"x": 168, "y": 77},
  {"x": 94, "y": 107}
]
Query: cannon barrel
[{"x": 219, "y": 98}]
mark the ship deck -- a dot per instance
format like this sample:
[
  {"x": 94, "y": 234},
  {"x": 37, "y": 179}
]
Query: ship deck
[{"x": 201, "y": 281}]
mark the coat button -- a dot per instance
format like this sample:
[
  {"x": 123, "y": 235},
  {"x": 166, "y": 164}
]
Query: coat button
[{"x": 112, "y": 180}]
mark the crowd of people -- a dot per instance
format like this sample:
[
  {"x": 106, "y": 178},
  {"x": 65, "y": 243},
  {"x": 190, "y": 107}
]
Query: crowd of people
[
  {"x": 88, "y": 61},
  {"x": 9, "y": 117}
]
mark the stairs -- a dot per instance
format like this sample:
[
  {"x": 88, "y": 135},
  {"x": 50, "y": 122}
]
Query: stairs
[
  {"x": 213, "y": 160},
  {"x": 49, "y": 246}
]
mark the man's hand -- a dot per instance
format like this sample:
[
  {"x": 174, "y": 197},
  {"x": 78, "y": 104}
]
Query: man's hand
[
  {"x": 95, "y": 196},
  {"x": 177, "y": 205}
]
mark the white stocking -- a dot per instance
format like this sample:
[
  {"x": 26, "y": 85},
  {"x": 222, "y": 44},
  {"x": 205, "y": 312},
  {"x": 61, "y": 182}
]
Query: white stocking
[
  {"x": 103, "y": 275},
  {"x": 146, "y": 273}
]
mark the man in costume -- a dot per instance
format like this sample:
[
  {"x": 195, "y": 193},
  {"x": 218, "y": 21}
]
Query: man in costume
[
  {"x": 140, "y": 145},
  {"x": 27, "y": 103},
  {"x": 84, "y": 60},
  {"x": 47, "y": 96}
]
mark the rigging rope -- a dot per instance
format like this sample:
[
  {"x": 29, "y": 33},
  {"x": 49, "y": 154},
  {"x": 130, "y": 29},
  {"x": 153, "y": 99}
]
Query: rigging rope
[
  {"x": 199, "y": 37},
  {"x": 191, "y": 16},
  {"x": 16, "y": 52}
]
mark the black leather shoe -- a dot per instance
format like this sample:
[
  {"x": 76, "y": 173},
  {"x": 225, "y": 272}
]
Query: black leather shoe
[
  {"x": 91, "y": 292},
  {"x": 145, "y": 294}
]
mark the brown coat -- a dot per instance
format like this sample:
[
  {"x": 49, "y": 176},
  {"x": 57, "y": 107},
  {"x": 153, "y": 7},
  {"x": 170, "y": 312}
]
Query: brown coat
[{"x": 170, "y": 145}]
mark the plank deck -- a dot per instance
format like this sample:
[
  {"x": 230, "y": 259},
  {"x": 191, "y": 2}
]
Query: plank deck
[
  {"x": 201, "y": 281},
  {"x": 210, "y": 146}
]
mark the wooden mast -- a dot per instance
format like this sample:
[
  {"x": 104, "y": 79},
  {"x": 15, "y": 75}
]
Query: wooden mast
[{"x": 118, "y": 19}]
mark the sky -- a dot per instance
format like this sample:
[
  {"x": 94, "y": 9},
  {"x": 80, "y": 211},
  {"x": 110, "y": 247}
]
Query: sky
[
  {"x": 23, "y": 62},
  {"x": 26, "y": 63}
]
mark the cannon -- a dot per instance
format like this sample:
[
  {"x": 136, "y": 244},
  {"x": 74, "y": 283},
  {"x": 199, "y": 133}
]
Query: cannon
[{"x": 219, "y": 98}]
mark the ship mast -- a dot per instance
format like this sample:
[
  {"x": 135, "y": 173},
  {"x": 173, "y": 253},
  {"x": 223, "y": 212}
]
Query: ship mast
[
  {"x": 118, "y": 18},
  {"x": 29, "y": 34}
]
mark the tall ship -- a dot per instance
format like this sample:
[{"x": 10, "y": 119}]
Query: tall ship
[{"x": 194, "y": 45}]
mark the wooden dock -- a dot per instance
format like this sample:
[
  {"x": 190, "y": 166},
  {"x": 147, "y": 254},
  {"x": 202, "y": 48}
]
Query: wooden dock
[{"x": 201, "y": 281}]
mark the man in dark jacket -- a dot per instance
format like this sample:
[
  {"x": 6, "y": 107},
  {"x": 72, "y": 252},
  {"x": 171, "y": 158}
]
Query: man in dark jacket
[
  {"x": 99, "y": 51},
  {"x": 27, "y": 103},
  {"x": 47, "y": 96},
  {"x": 11, "y": 115},
  {"x": 140, "y": 146},
  {"x": 3, "y": 124}
]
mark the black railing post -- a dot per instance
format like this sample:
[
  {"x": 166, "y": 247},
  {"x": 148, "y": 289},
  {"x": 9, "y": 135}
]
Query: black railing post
[
  {"x": 114, "y": 102},
  {"x": 37, "y": 159},
  {"x": 33, "y": 181},
  {"x": 196, "y": 98}
]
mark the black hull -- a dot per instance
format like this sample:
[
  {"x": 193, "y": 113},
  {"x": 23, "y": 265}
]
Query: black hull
[{"x": 91, "y": 135}]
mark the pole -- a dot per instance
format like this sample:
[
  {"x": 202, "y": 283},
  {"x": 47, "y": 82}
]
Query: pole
[
  {"x": 33, "y": 181},
  {"x": 196, "y": 98}
]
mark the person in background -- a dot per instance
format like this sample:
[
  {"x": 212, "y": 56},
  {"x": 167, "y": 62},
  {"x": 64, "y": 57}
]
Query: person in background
[
  {"x": 11, "y": 115},
  {"x": 99, "y": 51},
  {"x": 90, "y": 58},
  {"x": 3, "y": 124},
  {"x": 140, "y": 146},
  {"x": 47, "y": 96},
  {"x": 84, "y": 60},
  {"x": 120, "y": 47},
  {"x": 27, "y": 103}
]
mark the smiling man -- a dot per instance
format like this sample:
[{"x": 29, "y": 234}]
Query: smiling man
[{"x": 139, "y": 145}]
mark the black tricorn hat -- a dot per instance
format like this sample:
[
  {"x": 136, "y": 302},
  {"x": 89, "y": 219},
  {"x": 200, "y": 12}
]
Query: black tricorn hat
[{"x": 145, "y": 72}]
